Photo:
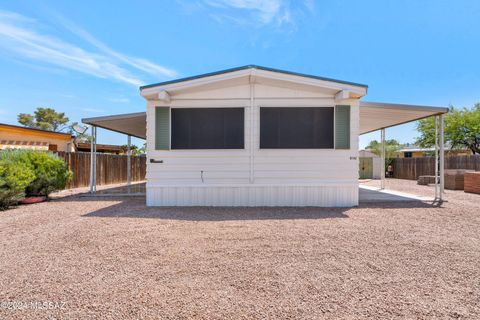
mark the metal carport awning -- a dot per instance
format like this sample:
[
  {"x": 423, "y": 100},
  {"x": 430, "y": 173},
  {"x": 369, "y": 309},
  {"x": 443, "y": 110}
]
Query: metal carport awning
[
  {"x": 379, "y": 116},
  {"x": 131, "y": 124},
  {"x": 373, "y": 116}
]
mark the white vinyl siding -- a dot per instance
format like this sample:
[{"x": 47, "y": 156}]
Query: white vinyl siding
[{"x": 290, "y": 177}]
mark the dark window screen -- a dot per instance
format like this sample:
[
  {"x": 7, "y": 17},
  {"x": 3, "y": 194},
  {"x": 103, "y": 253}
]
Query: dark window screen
[
  {"x": 291, "y": 128},
  {"x": 208, "y": 128}
]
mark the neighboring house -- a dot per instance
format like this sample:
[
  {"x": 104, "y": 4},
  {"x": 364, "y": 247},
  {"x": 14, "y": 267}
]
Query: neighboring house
[
  {"x": 370, "y": 165},
  {"x": 415, "y": 152},
  {"x": 102, "y": 148},
  {"x": 256, "y": 136},
  {"x": 17, "y": 137}
]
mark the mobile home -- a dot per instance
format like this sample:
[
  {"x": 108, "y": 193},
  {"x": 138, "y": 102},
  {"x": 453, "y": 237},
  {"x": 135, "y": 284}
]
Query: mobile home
[{"x": 256, "y": 136}]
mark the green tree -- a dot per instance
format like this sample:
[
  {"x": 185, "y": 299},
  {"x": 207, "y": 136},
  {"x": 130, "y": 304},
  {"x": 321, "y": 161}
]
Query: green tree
[
  {"x": 136, "y": 150},
  {"x": 143, "y": 149},
  {"x": 44, "y": 118},
  {"x": 461, "y": 129},
  {"x": 391, "y": 149}
]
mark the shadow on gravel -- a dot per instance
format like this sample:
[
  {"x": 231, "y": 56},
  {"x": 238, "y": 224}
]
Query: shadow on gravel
[{"x": 136, "y": 208}]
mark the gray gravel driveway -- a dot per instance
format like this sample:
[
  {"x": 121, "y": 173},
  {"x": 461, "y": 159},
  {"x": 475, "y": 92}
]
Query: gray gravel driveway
[{"x": 83, "y": 258}]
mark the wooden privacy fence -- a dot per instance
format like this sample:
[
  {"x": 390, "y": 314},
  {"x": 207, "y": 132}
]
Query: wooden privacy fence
[
  {"x": 412, "y": 168},
  {"x": 111, "y": 168}
]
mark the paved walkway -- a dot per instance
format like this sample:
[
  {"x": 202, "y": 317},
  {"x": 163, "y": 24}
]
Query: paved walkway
[
  {"x": 367, "y": 193},
  {"x": 372, "y": 194}
]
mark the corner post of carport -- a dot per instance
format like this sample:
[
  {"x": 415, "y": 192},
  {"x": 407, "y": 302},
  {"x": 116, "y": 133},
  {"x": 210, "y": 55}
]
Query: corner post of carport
[
  {"x": 442, "y": 157},
  {"x": 436, "y": 155},
  {"x": 129, "y": 160},
  {"x": 382, "y": 153},
  {"x": 93, "y": 161}
]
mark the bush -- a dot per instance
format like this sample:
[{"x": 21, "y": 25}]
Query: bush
[
  {"x": 15, "y": 176},
  {"x": 51, "y": 173},
  {"x": 30, "y": 173}
]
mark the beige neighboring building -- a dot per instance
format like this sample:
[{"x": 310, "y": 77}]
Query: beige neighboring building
[
  {"x": 370, "y": 165},
  {"x": 17, "y": 137},
  {"x": 416, "y": 152}
]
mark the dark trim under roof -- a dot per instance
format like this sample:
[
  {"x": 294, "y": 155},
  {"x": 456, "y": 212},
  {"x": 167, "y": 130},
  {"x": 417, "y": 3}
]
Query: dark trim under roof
[{"x": 251, "y": 66}]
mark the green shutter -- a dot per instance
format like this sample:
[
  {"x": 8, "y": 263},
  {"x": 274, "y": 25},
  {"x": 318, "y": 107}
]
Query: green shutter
[
  {"x": 342, "y": 127},
  {"x": 162, "y": 128}
]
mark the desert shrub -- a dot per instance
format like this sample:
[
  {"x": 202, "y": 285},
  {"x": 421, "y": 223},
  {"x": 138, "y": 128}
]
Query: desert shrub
[
  {"x": 51, "y": 173},
  {"x": 30, "y": 173},
  {"x": 15, "y": 176}
]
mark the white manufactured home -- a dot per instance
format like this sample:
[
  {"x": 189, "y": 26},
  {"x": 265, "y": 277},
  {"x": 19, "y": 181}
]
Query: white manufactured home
[{"x": 256, "y": 136}]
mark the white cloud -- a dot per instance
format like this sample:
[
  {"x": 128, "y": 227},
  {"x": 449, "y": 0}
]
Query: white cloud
[
  {"x": 121, "y": 100},
  {"x": 91, "y": 110},
  {"x": 260, "y": 12},
  {"x": 21, "y": 35},
  {"x": 138, "y": 63},
  {"x": 310, "y": 5},
  {"x": 264, "y": 10}
]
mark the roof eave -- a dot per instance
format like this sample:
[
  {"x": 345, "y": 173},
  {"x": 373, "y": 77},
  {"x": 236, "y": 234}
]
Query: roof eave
[{"x": 249, "y": 67}]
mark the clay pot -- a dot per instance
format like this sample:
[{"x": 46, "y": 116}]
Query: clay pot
[{"x": 30, "y": 200}]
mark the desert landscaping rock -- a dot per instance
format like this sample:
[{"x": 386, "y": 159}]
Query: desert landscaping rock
[{"x": 114, "y": 258}]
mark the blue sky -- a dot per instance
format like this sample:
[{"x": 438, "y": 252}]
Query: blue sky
[{"x": 87, "y": 58}]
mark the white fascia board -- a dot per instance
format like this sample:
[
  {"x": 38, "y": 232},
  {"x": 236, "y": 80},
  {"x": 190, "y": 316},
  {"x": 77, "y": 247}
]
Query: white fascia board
[
  {"x": 361, "y": 91},
  {"x": 195, "y": 82},
  {"x": 253, "y": 74}
]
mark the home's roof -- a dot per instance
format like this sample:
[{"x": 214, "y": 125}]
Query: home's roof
[
  {"x": 107, "y": 148},
  {"x": 23, "y": 130},
  {"x": 416, "y": 149},
  {"x": 373, "y": 115},
  {"x": 252, "y": 66}
]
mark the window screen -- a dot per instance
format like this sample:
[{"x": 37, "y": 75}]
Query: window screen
[
  {"x": 291, "y": 128},
  {"x": 342, "y": 127},
  {"x": 162, "y": 128},
  {"x": 208, "y": 128}
]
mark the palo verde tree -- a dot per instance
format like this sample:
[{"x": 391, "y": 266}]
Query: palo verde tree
[
  {"x": 46, "y": 119},
  {"x": 461, "y": 129},
  {"x": 391, "y": 149}
]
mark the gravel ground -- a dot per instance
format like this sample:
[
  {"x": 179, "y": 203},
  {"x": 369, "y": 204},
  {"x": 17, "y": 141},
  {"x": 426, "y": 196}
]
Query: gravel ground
[{"x": 116, "y": 259}]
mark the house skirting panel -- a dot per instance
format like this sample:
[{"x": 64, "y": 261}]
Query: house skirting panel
[{"x": 345, "y": 195}]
